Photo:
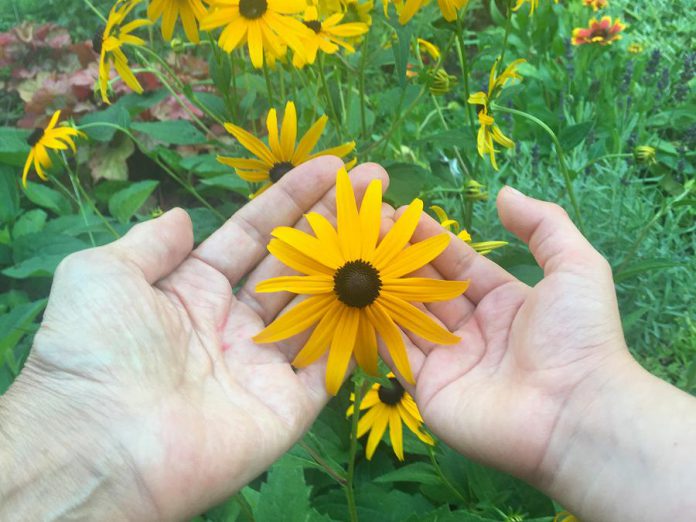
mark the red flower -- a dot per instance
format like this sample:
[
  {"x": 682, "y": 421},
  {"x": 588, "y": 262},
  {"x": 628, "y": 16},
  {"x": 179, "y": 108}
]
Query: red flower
[{"x": 602, "y": 32}]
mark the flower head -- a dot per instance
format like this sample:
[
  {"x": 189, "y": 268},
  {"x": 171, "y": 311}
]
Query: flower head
[
  {"x": 602, "y": 32},
  {"x": 264, "y": 25},
  {"x": 109, "y": 41},
  {"x": 489, "y": 133},
  {"x": 645, "y": 154},
  {"x": 284, "y": 153},
  {"x": 191, "y": 13},
  {"x": 483, "y": 248},
  {"x": 596, "y": 4},
  {"x": 42, "y": 140},
  {"x": 532, "y": 5},
  {"x": 389, "y": 406},
  {"x": 326, "y": 35},
  {"x": 357, "y": 286},
  {"x": 408, "y": 8}
]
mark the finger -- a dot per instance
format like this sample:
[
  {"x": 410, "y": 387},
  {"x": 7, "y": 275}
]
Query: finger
[
  {"x": 460, "y": 262},
  {"x": 268, "y": 305},
  {"x": 158, "y": 246},
  {"x": 238, "y": 246},
  {"x": 555, "y": 242}
]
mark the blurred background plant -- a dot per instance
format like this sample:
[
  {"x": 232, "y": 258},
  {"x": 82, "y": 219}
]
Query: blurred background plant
[{"x": 608, "y": 131}]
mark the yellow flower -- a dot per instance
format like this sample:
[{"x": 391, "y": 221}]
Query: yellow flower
[
  {"x": 483, "y": 248},
  {"x": 426, "y": 47},
  {"x": 408, "y": 8},
  {"x": 602, "y": 32},
  {"x": 265, "y": 25},
  {"x": 108, "y": 43},
  {"x": 284, "y": 154},
  {"x": 532, "y": 5},
  {"x": 595, "y": 4},
  {"x": 564, "y": 516},
  {"x": 645, "y": 154},
  {"x": 326, "y": 36},
  {"x": 489, "y": 132},
  {"x": 191, "y": 13},
  {"x": 388, "y": 406},
  {"x": 357, "y": 286},
  {"x": 353, "y": 9},
  {"x": 41, "y": 140},
  {"x": 635, "y": 48}
]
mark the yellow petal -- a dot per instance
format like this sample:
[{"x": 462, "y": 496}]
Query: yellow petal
[
  {"x": 251, "y": 143},
  {"x": 309, "y": 141},
  {"x": 416, "y": 256},
  {"x": 297, "y": 260},
  {"x": 296, "y": 320},
  {"x": 308, "y": 245},
  {"x": 411, "y": 318},
  {"x": 273, "y": 140},
  {"x": 288, "y": 132},
  {"x": 368, "y": 419},
  {"x": 370, "y": 218},
  {"x": 348, "y": 221},
  {"x": 378, "y": 426},
  {"x": 399, "y": 235},
  {"x": 366, "y": 346},
  {"x": 297, "y": 284},
  {"x": 321, "y": 337},
  {"x": 396, "y": 434},
  {"x": 341, "y": 349},
  {"x": 392, "y": 337},
  {"x": 325, "y": 232},
  {"x": 423, "y": 290}
]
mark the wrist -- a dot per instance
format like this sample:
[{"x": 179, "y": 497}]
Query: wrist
[
  {"x": 624, "y": 447},
  {"x": 57, "y": 462}
]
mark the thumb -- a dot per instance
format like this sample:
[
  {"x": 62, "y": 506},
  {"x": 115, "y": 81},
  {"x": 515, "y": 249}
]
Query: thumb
[{"x": 555, "y": 242}]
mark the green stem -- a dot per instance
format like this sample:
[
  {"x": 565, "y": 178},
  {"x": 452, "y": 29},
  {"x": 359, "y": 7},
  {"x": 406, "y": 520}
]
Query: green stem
[
  {"x": 559, "y": 153},
  {"x": 78, "y": 197},
  {"x": 508, "y": 25},
  {"x": 361, "y": 87},
  {"x": 329, "y": 99},
  {"x": 350, "y": 491},
  {"x": 464, "y": 67},
  {"x": 445, "y": 480},
  {"x": 96, "y": 11}
]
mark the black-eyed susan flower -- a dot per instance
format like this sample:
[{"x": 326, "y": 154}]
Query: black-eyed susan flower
[
  {"x": 191, "y": 12},
  {"x": 109, "y": 42},
  {"x": 602, "y": 32},
  {"x": 283, "y": 153},
  {"x": 564, "y": 516},
  {"x": 264, "y": 25},
  {"x": 483, "y": 248},
  {"x": 596, "y": 5},
  {"x": 43, "y": 140},
  {"x": 533, "y": 4},
  {"x": 356, "y": 285},
  {"x": 326, "y": 35},
  {"x": 408, "y": 8},
  {"x": 388, "y": 406},
  {"x": 489, "y": 133}
]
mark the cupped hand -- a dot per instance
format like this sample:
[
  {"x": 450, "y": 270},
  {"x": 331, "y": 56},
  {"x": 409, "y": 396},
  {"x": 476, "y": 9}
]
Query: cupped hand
[
  {"x": 145, "y": 355},
  {"x": 527, "y": 354}
]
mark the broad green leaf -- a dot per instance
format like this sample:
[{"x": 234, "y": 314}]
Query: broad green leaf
[
  {"x": 230, "y": 182},
  {"x": 40, "y": 266},
  {"x": 572, "y": 136},
  {"x": 13, "y": 146},
  {"x": 126, "y": 202},
  {"x": 420, "y": 472},
  {"x": 47, "y": 197},
  {"x": 102, "y": 125},
  {"x": 9, "y": 193},
  {"x": 177, "y": 132},
  {"x": 29, "y": 223},
  {"x": 407, "y": 181},
  {"x": 16, "y": 324}
]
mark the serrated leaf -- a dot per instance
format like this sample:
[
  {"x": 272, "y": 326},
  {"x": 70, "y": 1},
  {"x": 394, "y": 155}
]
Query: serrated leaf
[
  {"x": 128, "y": 201},
  {"x": 177, "y": 132},
  {"x": 420, "y": 472}
]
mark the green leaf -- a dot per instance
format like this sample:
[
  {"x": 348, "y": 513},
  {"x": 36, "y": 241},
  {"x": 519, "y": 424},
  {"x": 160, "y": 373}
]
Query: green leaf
[
  {"x": 126, "y": 202},
  {"x": 16, "y": 324},
  {"x": 29, "y": 223},
  {"x": 13, "y": 146},
  {"x": 47, "y": 197},
  {"x": 420, "y": 472},
  {"x": 407, "y": 181},
  {"x": 230, "y": 182},
  {"x": 9, "y": 193},
  {"x": 111, "y": 118},
  {"x": 177, "y": 132},
  {"x": 649, "y": 265},
  {"x": 572, "y": 136},
  {"x": 40, "y": 266}
]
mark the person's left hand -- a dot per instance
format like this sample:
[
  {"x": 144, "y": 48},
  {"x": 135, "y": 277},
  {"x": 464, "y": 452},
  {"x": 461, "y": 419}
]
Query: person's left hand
[{"x": 145, "y": 355}]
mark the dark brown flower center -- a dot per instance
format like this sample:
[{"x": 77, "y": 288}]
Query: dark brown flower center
[
  {"x": 279, "y": 170},
  {"x": 479, "y": 108},
  {"x": 35, "y": 136},
  {"x": 391, "y": 395},
  {"x": 314, "y": 25},
  {"x": 252, "y": 9},
  {"x": 98, "y": 39},
  {"x": 357, "y": 284}
]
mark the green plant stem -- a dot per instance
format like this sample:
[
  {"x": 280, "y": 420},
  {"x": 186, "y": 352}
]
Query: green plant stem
[
  {"x": 559, "y": 152},
  {"x": 269, "y": 85},
  {"x": 445, "y": 480},
  {"x": 96, "y": 11},
  {"x": 361, "y": 86},
  {"x": 78, "y": 197},
  {"x": 350, "y": 476},
  {"x": 324, "y": 465},
  {"x": 464, "y": 67},
  {"x": 508, "y": 26},
  {"x": 329, "y": 99}
]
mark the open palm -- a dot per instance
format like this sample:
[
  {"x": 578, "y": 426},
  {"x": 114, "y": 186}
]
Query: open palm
[
  {"x": 525, "y": 352},
  {"x": 149, "y": 339}
]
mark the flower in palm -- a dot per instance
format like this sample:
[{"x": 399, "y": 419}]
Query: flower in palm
[{"x": 356, "y": 285}]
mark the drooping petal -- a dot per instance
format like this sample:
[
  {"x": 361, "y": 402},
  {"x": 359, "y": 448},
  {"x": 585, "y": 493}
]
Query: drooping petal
[
  {"x": 296, "y": 320},
  {"x": 396, "y": 434},
  {"x": 366, "y": 346},
  {"x": 251, "y": 143},
  {"x": 392, "y": 337},
  {"x": 379, "y": 425},
  {"x": 368, "y": 418},
  {"x": 321, "y": 337},
  {"x": 412, "y": 319},
  {"x": 341, "y": 349}
]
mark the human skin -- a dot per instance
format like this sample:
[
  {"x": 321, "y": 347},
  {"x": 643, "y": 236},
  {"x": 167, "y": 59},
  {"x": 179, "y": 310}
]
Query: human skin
[{"x": 145, "y": 398}]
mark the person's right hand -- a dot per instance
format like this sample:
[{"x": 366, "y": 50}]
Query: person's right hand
[{"x": 542, "y": 384}]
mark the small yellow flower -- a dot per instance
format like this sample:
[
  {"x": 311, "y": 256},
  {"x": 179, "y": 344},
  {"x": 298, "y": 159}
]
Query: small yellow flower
[
  {"x": 326, "y": 35},
  {"x": 191, "y": 13},
  {"x": 635, "y": 48},
  {"x": 532, "y": 5},
  {"x": 596, "y": 4},
  {"x": 602, "y": 32},
  {"x": 645, "y": 154},
  {"x": 489, "y": 133},
  {"x": 284, "y": 154},
  {"x": 109, "y": 41},
  {"x": 389, "y": 406},
  {"x": 357, "y": 285},
  {"x": 408, "y": 8},
  {"x": 426, "y": 47},
  {"x": 483, "y": 248},
  {"x": 41, "y": 140}
]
